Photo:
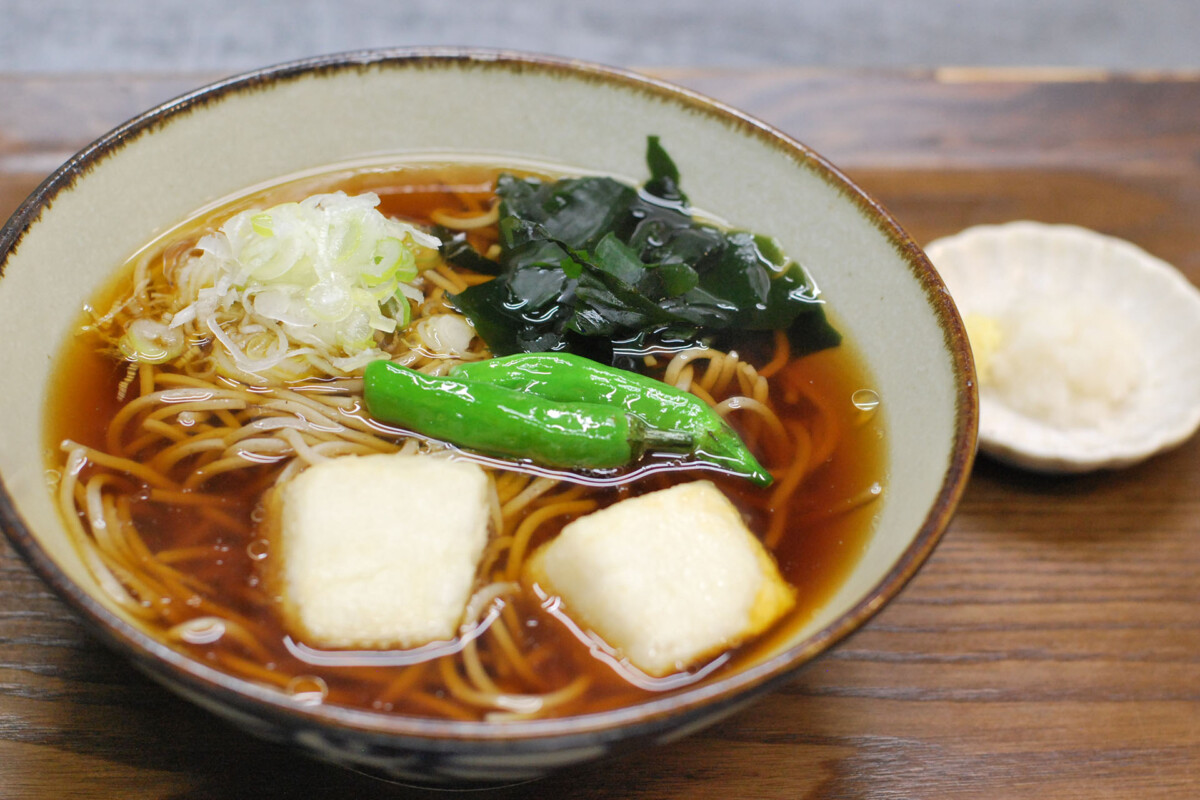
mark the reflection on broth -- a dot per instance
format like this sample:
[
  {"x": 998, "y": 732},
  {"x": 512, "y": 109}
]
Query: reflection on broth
[{"x": 170, "y": 468}]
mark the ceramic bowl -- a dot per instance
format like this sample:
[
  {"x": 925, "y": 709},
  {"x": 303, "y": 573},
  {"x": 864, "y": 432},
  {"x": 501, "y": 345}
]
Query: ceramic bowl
[{"x": 143, "y": 177}]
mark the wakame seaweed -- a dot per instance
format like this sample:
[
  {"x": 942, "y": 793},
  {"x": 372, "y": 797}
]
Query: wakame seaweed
[{"x": 599, "y": 268}]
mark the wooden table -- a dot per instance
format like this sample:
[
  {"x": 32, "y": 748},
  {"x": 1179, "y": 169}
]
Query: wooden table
[{"x": 1049, "y": 649}]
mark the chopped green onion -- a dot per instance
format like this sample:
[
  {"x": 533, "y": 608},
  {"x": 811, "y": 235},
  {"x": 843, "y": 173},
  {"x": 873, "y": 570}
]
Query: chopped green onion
[
  {"x": 322, "y": 276},
  {"x": 261, "y": 224}
]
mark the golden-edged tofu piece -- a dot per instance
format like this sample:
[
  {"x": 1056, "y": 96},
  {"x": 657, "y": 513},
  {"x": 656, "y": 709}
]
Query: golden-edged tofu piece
[
  {"x": 667, "y": 579},
  {"x": 380, "y": 551}
]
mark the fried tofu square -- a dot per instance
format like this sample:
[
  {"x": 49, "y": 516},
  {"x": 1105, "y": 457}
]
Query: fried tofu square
[
  {"x": 667, "y": 579},
  {"x": 379, "y": 551}
]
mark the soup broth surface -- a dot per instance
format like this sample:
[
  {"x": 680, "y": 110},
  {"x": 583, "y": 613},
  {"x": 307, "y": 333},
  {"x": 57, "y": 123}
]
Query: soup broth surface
[{"x": 220, "y": 610}]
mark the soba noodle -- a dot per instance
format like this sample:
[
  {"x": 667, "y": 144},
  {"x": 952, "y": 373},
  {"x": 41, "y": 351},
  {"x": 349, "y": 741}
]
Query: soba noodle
[{"x": 189, "y": 427}]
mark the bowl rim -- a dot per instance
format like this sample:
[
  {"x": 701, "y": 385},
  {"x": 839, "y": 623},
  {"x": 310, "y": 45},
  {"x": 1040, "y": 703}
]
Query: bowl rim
[{"x": 198, "y": 680}]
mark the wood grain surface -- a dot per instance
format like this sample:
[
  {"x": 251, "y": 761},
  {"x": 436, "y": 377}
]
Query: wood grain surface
[{"x": 1049, "y": 649}]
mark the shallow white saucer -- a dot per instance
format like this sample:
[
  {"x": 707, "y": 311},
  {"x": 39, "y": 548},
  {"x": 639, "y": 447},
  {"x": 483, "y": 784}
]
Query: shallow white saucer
[{"x": 998, "y": 272}]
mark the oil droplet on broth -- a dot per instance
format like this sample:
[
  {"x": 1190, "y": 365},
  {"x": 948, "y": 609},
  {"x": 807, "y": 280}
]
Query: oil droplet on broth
[
  {"x": 309, "y": 690},
  {"x": 867, "y": 403},
  {"x": 258, "y": 549},
  {"x": 200, "y": 630}
]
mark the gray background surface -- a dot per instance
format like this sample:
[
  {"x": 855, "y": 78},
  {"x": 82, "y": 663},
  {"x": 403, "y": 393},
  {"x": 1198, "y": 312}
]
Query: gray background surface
[{"x": 232, "y": 35}]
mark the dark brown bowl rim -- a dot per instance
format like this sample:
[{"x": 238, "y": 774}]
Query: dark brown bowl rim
[{"x": 653, "y": 716}]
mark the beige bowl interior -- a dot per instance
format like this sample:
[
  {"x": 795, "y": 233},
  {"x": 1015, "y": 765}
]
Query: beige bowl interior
[{"x": 204, "y": 150}]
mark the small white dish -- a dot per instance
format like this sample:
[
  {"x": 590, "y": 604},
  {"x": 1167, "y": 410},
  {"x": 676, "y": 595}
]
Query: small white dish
[{"x": 1086, "y": 345}]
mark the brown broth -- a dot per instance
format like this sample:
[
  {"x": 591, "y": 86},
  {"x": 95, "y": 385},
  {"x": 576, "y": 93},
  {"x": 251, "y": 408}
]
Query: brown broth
[{"x": 814, "y": 557}]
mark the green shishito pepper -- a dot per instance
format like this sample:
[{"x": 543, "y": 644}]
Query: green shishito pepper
[
  {"x": 565, "y": 377},
  {"x": 496, "y": 420}
]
